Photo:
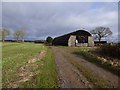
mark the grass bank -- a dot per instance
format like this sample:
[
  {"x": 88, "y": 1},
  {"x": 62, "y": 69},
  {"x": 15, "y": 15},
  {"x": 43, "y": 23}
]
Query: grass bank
[{"x": 85, "y": 52}]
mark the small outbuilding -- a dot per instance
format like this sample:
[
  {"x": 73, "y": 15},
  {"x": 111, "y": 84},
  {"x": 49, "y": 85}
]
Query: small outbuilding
[{"x": 77, "y": 38}]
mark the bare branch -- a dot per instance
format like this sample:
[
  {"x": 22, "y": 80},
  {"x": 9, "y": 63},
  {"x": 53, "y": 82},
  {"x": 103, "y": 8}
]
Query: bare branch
[
  {"x": 19, "y": 35},
  {"x": 3, "y": 33},
  {"x": 101, "y": 32}
]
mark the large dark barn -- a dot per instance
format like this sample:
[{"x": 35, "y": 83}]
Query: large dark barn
[{"x": 80, "y": 35}]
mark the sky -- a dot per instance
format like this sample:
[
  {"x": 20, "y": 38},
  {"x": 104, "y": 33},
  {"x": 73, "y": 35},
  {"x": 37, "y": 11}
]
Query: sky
[{"x": 42, "y": 19}]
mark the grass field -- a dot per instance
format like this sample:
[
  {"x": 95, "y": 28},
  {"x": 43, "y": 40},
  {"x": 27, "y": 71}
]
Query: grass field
[{"x": 15, "y": 55}]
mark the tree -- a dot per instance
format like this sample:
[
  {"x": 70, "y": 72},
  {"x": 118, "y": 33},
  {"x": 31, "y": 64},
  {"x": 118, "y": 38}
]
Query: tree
[
  {"x": 101, "y": 32},
  {"x": 19, "y": 35},
  {"x": 49, "y": 40},
  {"x": 3, "y": 33}
]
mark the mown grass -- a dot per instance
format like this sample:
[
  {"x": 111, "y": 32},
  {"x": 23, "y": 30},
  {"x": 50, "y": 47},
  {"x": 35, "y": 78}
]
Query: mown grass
[
  {"x": 85, "y": 52},
  {"x": 47, "y": 75},
  {"x": 15, "y": 55},
  {"x": 97, "y": 81}
]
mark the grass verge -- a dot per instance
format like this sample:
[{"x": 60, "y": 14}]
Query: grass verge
[{"x": 46, "y": 73}]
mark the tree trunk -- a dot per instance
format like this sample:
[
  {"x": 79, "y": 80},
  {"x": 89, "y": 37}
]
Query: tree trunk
[
  {"x": 22, "y": 40},
  {"x": 3, "y": 40},
  {"x": 99, "y": 39},
  {"x": 17, "y": 40}
]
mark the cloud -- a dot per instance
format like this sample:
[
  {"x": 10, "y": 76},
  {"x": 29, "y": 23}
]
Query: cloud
[
  {"x": 0, "y": 14},
  {"x": 52, "y": 19},
  {"x": 60, "y": 0}
]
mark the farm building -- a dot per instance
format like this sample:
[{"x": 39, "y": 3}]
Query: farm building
[{"x": 77, "y": 38}]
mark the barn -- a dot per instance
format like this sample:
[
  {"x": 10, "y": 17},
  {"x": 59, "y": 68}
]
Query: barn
[{"x": 76, "y": 38}]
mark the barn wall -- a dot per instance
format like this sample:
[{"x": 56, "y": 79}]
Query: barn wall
[
  {"x": 90, "y": 41},
  {"x": 62, "y": 40},
  {"x": 71, "y": 41}
]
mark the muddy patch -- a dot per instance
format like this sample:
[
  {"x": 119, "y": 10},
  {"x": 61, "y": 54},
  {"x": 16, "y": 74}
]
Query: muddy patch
[{"x": 25, "y": 73}]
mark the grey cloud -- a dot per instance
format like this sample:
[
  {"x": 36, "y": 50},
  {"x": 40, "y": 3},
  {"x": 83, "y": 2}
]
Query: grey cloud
[
  {"x": 0, "y": 14},
  {"x": 53, "y": 19}
]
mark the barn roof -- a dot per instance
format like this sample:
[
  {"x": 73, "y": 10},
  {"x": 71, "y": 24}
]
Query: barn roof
[{"x": 80, "y": 32}]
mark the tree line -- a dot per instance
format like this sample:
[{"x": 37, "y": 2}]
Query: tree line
[
  {"x": 98, "y": 33},
  {"x": 19, "y": 35}
]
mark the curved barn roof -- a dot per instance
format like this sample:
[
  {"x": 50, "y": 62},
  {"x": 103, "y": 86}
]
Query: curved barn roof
[{"x": 80, "y": 32}]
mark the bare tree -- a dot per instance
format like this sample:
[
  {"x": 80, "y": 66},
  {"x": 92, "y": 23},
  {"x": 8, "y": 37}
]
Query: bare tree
[
  {"x": 19, "y": 35},
  {"x": 101, "y": 32},
  {"x": 3, "y": 33}
]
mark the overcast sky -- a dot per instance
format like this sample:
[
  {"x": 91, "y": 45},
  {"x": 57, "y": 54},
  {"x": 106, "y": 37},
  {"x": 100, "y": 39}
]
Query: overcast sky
[{"x": 42, "y": 19}]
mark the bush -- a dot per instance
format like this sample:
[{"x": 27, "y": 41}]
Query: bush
[
  {"x": 49, "y": 40},
  {"x": 112, "y": 51}
]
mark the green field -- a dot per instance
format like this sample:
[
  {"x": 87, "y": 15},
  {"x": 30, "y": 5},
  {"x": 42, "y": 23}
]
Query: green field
[{"x": 16, "y": 55}]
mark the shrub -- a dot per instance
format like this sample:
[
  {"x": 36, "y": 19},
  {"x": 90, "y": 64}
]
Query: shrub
[
  {"x": 49, "y": 40},
  {"x": 112, "y": 51}
]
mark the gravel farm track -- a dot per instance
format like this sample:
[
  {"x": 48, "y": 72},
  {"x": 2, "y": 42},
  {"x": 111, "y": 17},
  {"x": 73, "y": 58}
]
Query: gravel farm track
[{"x": 71, "y": 77}]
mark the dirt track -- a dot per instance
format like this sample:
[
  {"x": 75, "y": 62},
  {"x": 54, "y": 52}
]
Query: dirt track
[{"x": 71, "y": 77}]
